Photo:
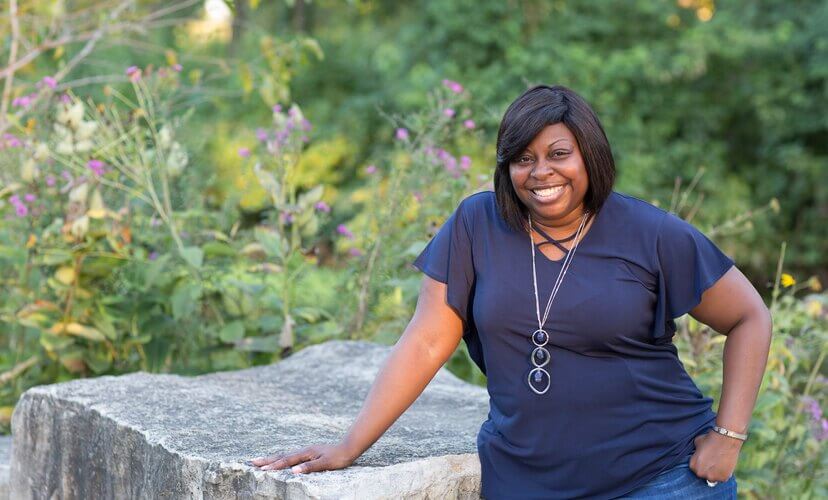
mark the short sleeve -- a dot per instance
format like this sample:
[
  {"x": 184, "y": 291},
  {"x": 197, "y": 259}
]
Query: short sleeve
[
  {"x": 448, "y": 258},
  {"x": 688, "y": 263}
]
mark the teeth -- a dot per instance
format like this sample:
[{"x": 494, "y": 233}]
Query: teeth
[{"x": 548, "y": 192}]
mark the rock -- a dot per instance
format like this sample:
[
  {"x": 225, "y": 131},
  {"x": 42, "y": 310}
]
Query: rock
[
  {"x": 5, "y": 456},
  {"x": 167, "y": 436}
]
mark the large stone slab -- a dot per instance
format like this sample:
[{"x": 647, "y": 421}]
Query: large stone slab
[
  {"x": 5, "y": 452},
  {"x": 166, "y": 436}
]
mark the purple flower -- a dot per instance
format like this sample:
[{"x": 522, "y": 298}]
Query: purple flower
[
  {"x": 465, "y": 162},
  {"x": 176, "y": 67},
  {"x": 14, "y": 199},
  {"x": 65, "y": 99},
  {"x": 23, "y": 101},
  {"x": 134, "y": 73},
  {"x": 306, "y": 124},
  {"x": 454, "y": 86},
  {"x": 50, "y": 180},
  {"x": 153, "y": 255},
  {"x": 286, "y": 217},
  {"x": 356, "y": 252},
  {"x": 66, "y": 175},
  {"x": 370, "y": 169},
  {"x": 21, "y": 210},
  {"x": 304, "y": 138},
  {"x": 49, "y": 82},
  {"x": 277, "y": 108},
  {"x": 244, "y": 152},
  {"x": 261, "y": 134},
  {"x": 29, "y": 197},
  {"x": 96, "y": 166},
  {"x": 402, "y": 134},
  {"x": 11, "y": 141},
  {"x": 322, "y": 206},
  {"x": 449, "y": 112},
  {"x": 469, "y": 124},
  {"x": 341, "y": 229},
  {"x": 418, "y": 196}
]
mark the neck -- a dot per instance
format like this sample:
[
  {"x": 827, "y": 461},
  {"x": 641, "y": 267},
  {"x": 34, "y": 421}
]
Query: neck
[{"x": 560, "y": 227}]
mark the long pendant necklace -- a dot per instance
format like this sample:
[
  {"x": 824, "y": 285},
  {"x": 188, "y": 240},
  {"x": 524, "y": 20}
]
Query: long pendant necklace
[{"x": 540, "y": 356}]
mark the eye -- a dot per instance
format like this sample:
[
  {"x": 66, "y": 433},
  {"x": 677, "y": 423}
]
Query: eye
[
  {"x": 562, "y": 153},
  {"x": 524, "y": 159}
]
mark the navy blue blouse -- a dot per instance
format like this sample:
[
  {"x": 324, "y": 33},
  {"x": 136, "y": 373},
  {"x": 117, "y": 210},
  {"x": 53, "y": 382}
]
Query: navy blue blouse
[{"x": 620, "y": 408}]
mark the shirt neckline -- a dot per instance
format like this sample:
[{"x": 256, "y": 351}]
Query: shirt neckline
[{"x": 586, "y": 239}]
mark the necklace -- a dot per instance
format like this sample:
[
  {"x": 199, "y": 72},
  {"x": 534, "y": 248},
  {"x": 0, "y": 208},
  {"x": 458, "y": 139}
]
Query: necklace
[{"x": 540, "y": 356}]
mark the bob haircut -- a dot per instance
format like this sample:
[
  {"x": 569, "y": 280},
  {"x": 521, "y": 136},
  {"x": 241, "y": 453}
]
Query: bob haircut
[{"x": 530, "y": 113}]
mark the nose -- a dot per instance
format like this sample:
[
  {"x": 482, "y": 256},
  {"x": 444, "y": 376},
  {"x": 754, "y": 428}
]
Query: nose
[{"x": 543, "y": 169}]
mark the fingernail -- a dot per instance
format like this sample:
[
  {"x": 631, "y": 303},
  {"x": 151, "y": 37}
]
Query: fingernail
[
  {"x": 295, "y": 470},
  {"x": 249, "y": 462}
]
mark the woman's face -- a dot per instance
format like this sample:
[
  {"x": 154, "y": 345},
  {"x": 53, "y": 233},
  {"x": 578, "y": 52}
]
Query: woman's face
[{"x": 551, "y": 160}]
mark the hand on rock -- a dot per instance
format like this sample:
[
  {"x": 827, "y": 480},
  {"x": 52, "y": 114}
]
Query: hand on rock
[{"x": 313, "y": 458}]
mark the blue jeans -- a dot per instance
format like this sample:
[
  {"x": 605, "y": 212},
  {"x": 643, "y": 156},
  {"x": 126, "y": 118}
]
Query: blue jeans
[{"x": 680, "y": 481}]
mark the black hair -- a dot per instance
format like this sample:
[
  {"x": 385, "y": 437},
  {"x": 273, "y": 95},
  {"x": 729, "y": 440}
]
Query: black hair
[{"x": 530, "y": 113}]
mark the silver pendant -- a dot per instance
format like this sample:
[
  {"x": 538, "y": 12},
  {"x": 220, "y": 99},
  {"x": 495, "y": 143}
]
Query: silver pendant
[{"x": 539, "y": 379}]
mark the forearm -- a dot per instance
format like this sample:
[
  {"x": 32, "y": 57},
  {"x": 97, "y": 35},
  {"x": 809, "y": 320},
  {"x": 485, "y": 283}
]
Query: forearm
[
  {"x": 400, "y": 381},
  {"x": 744, "y": 360}
]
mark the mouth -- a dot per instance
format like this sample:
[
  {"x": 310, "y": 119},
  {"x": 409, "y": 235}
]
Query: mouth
[{"x": 548, "y": 194}]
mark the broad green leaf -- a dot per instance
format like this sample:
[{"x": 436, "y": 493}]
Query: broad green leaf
[
  {"x": 232, "y": 332},
  {"x": 194, "y": 256}
]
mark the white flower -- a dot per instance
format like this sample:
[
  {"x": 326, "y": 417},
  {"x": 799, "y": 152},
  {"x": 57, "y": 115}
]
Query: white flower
[
  {"x": 83, "y": 146},
  {"x": 72, "y": 116},
  {"x": 65, "y": 146},
  {"x": 85, "y": 130},
  {"x": 80, "y": 226},
  {"x": 41, "y": 152},
  {"x": 79, "y": 192},
  {"x": 97, "y": 209},
  {"x": 29, "y": 171},
  {"x": 176, "y": 159},
  {"x": 165, "y": 137}
]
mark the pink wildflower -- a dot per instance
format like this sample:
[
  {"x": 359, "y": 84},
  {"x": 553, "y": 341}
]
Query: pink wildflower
[
  {"x": 322, "y": 206},
  {"x": 244, "y": 152},
  {"x": 370, "y": 169},
  {"x": 453, "y": 86},
  {"x": 469, "y": 124},
  {"x": 465, "y": 162},
  {"x": 402, "y": 134},
  {"x": 341, "y": 229},
  {"x": 49, "y": 82},
  {"x": 176, "y": 67},
  {"x": 50, "y": 180},
  {"x": 29, "y": 197},
  {"x": 449, "y": 112},
  {"x": 261, "y": 134},
  {"x": 134, "y": 73},
  {"x": 355, "y": 252},
  {"x": 96, "y": 166}
]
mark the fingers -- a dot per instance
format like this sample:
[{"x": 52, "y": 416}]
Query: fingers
[
  {"x": 316, "y": 465},
  {"x": 258, "y": 462},
  {"x": 292, "y": 459}
]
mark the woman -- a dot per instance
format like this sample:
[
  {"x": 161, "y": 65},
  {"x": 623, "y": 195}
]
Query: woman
[{"x": 565, "y": 292}]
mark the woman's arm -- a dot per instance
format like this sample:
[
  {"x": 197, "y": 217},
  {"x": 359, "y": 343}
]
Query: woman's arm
[
  {"x": 428, "y": 341},
  {"x": 734, "y": 308}
]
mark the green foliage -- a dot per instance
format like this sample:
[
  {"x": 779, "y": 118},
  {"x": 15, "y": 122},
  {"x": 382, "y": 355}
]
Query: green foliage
[{"x": 179, "y": 220}]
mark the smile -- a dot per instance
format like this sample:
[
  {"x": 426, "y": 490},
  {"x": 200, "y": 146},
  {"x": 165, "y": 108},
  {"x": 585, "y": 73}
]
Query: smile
[{"x": 549, "y": 194}]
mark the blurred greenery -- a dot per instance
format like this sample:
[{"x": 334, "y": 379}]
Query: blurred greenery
[{"x": 193, "y": 186}]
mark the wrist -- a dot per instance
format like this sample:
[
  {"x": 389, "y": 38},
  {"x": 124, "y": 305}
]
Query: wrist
[{"x": 737, "y": 436}]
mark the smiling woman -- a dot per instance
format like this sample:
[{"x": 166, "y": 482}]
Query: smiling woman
[{"x": 590, "y": 400}]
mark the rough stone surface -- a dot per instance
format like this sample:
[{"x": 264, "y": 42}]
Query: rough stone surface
[
  {"x": 166, "y": 436},
  {"x": 5, "y": 456}
]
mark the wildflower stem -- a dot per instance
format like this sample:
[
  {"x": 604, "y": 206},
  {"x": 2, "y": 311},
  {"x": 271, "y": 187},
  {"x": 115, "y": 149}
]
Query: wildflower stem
[{"x": 776, "y": 280}]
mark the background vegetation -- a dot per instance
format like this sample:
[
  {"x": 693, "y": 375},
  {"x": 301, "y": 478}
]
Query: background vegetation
[{"x": 195, "y": 186}]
